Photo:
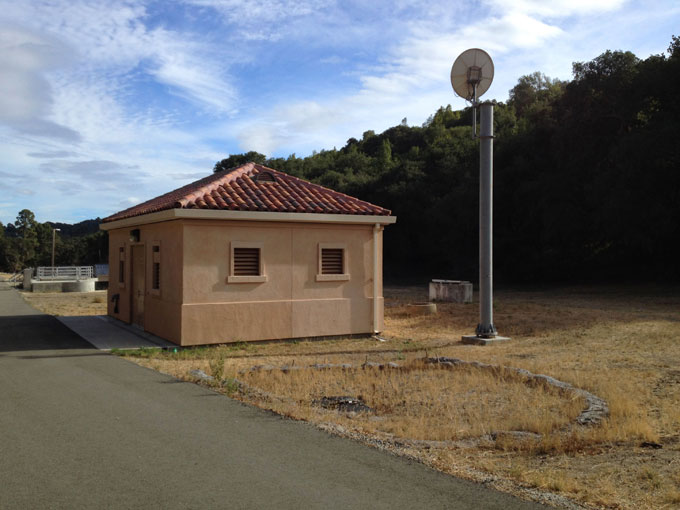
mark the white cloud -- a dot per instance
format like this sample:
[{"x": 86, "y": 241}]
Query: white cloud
[
  {"x": 129, "y": 202},
  {"x": 106, "y": 42},
  {"x": 70, "y": 73},
  {"x": 25, "y": 93},
  {"x": 9, "y": 175},
  {"x": 556, "y": 8},
  {"x": 265, "y": 20},
  {"x": 262, "y": 11},
  {"x": 52, "y": 154},
  {"x": 192, "y": 76},
  {"x": 411, "y": 81}
]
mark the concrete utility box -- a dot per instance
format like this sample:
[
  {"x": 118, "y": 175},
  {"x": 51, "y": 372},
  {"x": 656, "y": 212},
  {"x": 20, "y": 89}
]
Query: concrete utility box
[
  {"x": 455, "y": 291},
  {"x": 28, "y": 274}
]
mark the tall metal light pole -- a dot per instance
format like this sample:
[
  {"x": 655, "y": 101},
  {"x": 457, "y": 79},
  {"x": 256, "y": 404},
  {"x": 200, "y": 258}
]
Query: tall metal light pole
[
  {"x": 471, "y": 76},
  {"x": 485, "y": 328},
  {"x": 54, "y": 240}
]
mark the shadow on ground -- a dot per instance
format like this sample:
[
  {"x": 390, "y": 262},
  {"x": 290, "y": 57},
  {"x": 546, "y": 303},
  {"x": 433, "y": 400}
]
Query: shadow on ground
[{"x": 37, "y": 333}]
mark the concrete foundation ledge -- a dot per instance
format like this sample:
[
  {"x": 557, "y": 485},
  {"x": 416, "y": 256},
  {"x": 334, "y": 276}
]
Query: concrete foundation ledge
[
  {"x": 86, "y": 285},
  {"x": 478, "y": 340}
]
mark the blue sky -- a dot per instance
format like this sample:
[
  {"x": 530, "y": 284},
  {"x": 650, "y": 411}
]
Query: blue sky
[{"x": 104, "y": 104}]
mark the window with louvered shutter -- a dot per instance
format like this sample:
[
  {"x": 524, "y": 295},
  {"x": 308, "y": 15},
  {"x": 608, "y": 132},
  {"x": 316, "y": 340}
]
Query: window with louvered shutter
[
  {"x": 333, "y": 264},
  {"x": 332, "y": 261},
  {"x": 247, "y": 265},
  {"x": 246, "y": 261}
]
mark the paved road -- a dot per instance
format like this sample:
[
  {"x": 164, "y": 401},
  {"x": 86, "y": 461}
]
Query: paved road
[{"x": 84, "y": 429}]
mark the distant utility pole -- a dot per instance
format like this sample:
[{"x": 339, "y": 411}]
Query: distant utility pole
[{"x": 54, "y": 241}]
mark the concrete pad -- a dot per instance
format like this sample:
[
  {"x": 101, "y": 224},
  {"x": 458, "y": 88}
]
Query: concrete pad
[
  {"x": 85, "y": 285},
  {"x": 46, "y": 286},
  {"x": 106, "y": 333},
  {"x": 478, "y": 340}
]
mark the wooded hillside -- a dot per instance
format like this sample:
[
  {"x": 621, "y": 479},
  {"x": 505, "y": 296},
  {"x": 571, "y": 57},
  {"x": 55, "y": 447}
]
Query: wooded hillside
[
  {"x": 587, "y": 178},
  {"x": 28, "y": 243}
]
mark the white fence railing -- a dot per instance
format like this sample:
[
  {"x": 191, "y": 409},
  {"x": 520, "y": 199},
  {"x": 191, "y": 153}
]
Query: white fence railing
[{"x": 64, "y": 272}]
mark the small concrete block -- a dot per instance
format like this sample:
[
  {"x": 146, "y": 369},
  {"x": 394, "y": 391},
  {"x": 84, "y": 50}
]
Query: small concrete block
[
  {"x": 478, "y": 340},
  {"x": 454, "y": 291},
  {"x": 28, "y": 274}
]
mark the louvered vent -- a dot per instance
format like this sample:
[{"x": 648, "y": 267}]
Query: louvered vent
[
  {"x": 265, "y": 177},
  {"x": 246, "y": 261},
  {"x": 332, "y": 261}
]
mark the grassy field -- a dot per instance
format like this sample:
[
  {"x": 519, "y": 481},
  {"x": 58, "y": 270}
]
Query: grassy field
[
  {"x": 68, "y": 303},
  {"x": 621, "y": 344}
]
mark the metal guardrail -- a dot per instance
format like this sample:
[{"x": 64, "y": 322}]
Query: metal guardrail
[{"x": 64, "y": 272}]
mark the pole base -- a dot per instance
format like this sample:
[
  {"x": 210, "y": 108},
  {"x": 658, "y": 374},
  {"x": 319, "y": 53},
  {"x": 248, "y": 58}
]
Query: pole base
[
  {"x": 480, "y": 340},
  {"x": 486, "y": 330}
]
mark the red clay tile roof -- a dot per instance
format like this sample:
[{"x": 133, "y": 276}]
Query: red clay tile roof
[{"x": 239, "y": 189}]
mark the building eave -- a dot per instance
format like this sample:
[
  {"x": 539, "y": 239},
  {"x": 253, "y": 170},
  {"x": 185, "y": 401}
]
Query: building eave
[{"x": 214, "y": 214}]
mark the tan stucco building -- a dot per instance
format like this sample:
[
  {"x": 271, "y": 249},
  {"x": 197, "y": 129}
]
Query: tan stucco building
[{"x": 248, "y": 254}]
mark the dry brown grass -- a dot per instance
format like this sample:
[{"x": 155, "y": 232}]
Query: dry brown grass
[
  {"x": 622, "y": 344},
  {"x": 423, "y": 402},
  {"x": 68, "y": 303}
]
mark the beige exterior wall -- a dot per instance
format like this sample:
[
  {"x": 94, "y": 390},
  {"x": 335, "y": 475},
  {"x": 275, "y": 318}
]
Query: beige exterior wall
[
  {"x": 198, "y": 304},
  {"x": 162, "y": 308}
]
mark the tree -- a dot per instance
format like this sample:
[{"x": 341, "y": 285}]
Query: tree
[
  {"x": 43, "y": 252},
  {"x": 385, "y": 156},
  {"x": 26, "y": 228},
  {"x": 235, "y": 160},
  {"x": 534, "y": 96}
]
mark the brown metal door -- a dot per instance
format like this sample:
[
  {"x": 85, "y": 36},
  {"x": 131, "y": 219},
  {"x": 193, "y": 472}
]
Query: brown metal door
[{"x": 138, "y": 288}]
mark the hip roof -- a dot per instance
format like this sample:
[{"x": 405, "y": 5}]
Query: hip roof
[{"x": 253, "y": 187}]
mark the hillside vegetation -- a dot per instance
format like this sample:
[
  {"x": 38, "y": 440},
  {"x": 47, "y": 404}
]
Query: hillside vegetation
[
  {"x": 28, "y": 243},
  {"x": 586, "y": 185}
]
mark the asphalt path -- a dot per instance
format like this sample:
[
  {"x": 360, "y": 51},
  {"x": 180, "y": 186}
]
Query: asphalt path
[{"x": 80, "y": 428}]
